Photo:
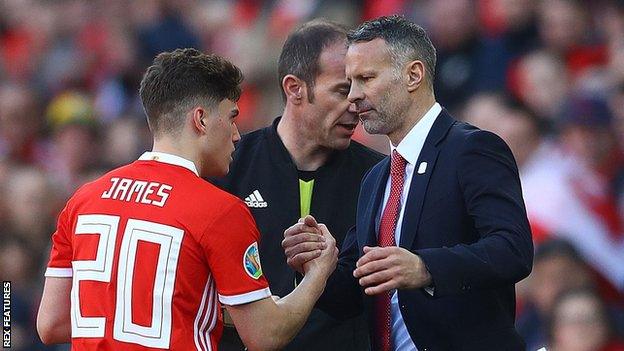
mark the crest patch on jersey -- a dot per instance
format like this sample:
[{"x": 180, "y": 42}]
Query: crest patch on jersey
[{"x": 251, "y": 261}]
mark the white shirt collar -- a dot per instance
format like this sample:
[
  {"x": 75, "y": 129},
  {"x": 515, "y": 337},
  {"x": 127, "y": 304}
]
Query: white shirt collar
[
  {"x": 170, "y": 159},
  {"x": 413, "y": 142}
]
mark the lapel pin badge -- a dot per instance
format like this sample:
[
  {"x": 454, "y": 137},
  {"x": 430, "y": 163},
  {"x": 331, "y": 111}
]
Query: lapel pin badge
[{"x": 422, "y": 168}]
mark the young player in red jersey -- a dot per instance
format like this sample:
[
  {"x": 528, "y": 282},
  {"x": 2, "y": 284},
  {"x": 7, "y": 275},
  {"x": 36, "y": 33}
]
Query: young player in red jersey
[{"x": 143, "y": 256}]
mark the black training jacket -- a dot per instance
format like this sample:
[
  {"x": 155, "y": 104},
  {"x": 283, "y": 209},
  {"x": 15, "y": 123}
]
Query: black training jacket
[{"x": 265, "y": 177}]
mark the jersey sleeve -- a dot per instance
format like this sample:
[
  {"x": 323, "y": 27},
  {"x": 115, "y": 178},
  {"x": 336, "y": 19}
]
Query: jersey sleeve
[
  {"x": 60, "y": 264},
  {"x": 231, "y": 247}
]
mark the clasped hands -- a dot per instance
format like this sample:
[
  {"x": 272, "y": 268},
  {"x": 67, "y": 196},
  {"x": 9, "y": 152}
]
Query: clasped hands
[
  {"x": 380, "y": 269},
  {"x": 318, "y": 253}
]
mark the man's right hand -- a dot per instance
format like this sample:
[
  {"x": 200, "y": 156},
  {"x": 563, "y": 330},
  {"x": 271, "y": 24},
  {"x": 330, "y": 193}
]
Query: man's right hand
[
  {"x": 283, "y": 318},
  {"x": 326, "y": 262},
  {"x": 305, "y": 241}
]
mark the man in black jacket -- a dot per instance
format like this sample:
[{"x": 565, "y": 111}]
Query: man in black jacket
[{"x": 305, "y": 163}]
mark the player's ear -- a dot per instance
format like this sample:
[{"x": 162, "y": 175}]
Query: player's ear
[
  {"x": 294, "y": 89},
  {"x": 415, "y": 74},
  {"x": 198, "y": 119}
]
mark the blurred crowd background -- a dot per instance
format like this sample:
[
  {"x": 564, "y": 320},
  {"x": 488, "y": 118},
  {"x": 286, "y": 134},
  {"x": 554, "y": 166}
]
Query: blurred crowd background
[{"x": 546, "y": 75}]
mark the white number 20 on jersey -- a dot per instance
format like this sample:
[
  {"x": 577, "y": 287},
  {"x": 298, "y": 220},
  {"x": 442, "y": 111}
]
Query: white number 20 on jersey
[{"x": 106, "y": 226}]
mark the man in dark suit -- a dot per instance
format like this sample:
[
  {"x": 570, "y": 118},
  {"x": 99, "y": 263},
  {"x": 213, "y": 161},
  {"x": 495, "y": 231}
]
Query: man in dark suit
[{"x": 441, "y": 234}]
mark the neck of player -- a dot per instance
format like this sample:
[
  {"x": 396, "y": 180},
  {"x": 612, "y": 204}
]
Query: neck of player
[
  {"x": 171, "y": 146},
  {"x": 305, "y": 152}
]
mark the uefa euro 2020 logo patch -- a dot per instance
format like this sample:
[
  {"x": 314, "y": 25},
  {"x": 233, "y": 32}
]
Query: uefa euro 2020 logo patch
[{"x": 251, "y": 261}]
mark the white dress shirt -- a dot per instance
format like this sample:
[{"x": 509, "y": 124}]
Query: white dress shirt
[{"x": 409, "y": 148}]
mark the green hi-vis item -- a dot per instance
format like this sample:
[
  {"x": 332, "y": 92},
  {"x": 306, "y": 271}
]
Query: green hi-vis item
[
  {"x": 305, "y": 196},
  {"x": 305, "y": 199}
]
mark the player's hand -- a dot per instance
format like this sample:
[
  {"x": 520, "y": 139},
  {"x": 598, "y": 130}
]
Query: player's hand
[
  {"x": 387, "y": 268},
  {"x": 303, "y": 242},
  {"x": 325, "y": 264}
]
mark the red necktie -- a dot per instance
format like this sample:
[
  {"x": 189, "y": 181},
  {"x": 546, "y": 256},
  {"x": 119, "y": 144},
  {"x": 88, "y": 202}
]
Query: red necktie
[{"x": 387, "y": 226}]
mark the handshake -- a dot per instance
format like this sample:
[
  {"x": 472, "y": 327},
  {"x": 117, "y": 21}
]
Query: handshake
[{"x": 309, "y": 246}]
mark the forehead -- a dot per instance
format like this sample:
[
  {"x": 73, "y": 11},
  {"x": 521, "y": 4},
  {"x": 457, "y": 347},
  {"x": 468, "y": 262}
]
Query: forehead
[
  {"x": 332, "y": 60},
  {"x": 227, "y": 106},
  {"x": 368, "y": 54}
]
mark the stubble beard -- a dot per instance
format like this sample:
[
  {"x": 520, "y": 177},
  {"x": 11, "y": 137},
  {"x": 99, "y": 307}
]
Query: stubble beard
[{"x": 386, "y": 117}]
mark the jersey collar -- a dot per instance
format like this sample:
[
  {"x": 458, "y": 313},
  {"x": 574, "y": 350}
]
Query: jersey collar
[{"x": 170, "y": 159}]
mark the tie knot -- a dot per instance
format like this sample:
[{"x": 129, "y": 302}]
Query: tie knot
[{"x": 397, "y": 163}]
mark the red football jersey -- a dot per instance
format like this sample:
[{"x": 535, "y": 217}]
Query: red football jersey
[{"x": 152, "y": 249}]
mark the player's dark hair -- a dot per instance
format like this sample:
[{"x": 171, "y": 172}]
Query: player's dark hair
[
  {"x": 406, "y": 41},
  {"x": 179, "y": 80},
  {"x": 302, "y": 50}
]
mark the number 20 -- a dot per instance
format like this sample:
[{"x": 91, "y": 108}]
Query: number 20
[{"x": 106, "y": 226}]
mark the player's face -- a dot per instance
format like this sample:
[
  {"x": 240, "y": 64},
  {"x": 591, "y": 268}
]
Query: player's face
[
  {"x": 221, "y": 134},
  {"x": 376, "y": 89},
  {"x": 330, "y": 119}
]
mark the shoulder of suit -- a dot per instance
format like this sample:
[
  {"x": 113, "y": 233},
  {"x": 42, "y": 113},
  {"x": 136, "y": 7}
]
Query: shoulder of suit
[
  {"x": 466, "y": 136},
  {"x": 464, "y": 130},
  {"x": 469, "y": 131}
]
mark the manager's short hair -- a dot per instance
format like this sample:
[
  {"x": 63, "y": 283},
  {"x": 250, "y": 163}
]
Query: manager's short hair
[
  {"x": 179, "y": 80},
  {"x": 302, "y": 50},
  {"x": 406, "y": 41}
]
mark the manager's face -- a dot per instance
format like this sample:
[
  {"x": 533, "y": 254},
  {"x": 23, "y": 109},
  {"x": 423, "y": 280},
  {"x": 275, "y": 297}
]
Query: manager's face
[{"x": 376, "y": 88}]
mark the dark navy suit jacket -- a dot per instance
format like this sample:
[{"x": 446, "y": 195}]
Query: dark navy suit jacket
[{"x": 465, "y": 217}]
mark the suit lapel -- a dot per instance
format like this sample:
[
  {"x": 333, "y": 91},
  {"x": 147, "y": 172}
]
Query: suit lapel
[
  {"x": 376, "y": 194},
  {"x": 420, "y": 182}
]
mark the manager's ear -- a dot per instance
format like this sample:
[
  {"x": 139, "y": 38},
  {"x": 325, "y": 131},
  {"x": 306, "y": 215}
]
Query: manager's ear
[
  {"x": 415, "y": 75},
  {"x": 294, "y": 89}
]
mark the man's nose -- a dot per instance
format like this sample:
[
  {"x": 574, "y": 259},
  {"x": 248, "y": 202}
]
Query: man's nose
[
  {"x": 235, "y": 133},
  {"x": 355, "y": 93},
  {"x": 352, "y": 108}
]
